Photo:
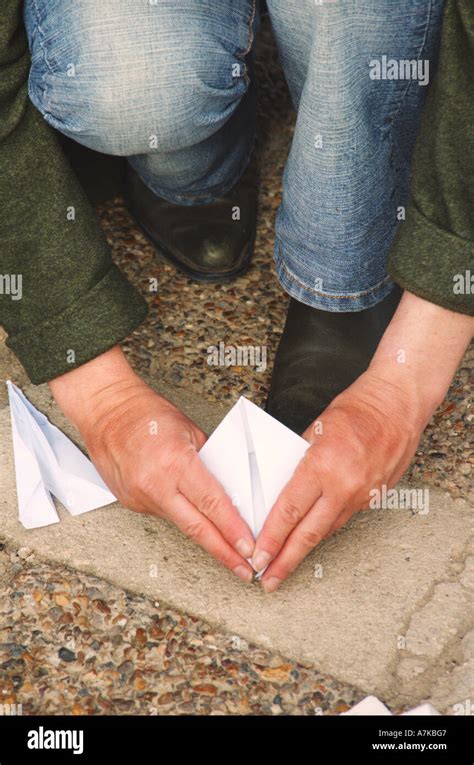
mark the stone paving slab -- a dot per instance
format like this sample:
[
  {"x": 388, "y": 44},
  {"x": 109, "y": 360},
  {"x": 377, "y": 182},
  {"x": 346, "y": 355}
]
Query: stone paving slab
[{"x": 391, "y": 613}]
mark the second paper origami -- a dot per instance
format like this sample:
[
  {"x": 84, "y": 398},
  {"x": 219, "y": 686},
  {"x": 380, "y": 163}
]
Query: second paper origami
[
  {"x": 47, "y": 462},
  {"x": 253, "y": 456}
]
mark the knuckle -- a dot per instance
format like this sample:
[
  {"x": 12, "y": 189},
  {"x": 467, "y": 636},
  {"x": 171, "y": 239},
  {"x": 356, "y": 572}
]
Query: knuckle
[
  {"x": 310, "y": 537},
  {"x": 290, "y": 513},
  {"x": 351, "y": 487},
  {"x": 142, "y": 483},
  {"x": 193, "y": 529},
  {"x": 271, "y": 542},
  {"x": 356, "y": 481},
  {"x": 210, "y": 505},
  {"x": 169, "y": 458}
]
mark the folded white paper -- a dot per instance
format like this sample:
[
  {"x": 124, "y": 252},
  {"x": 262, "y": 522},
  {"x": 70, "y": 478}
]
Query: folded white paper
[
  {"x": 368, "y": 706},
  {"x": 47, "y": 462},
  {"x": 372, "y": 706},
  {"x": 423, "y": 709},
  {"x": 253, "y": 456}
]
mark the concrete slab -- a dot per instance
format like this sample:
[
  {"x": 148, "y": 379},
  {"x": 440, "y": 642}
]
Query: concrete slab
[{"x": 383, "y": 605}]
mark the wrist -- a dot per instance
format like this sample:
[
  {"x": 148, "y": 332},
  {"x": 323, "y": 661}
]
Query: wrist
[
  {"x": 419, "y": 398},
  {"x": 87, "y": 394},
  {"x": 420, "y": 353}
]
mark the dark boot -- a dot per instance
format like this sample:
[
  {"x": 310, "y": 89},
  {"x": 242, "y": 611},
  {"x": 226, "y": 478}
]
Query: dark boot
[
  {"x": 202, "y": 241},
  {"x": 320, "y": 354}
]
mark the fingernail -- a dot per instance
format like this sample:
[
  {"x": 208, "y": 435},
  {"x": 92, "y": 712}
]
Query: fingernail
[
  {"x": 245, "y": 548},
  {"x": 243, "y": 573},
  {"x": 261, "y": 560},
  {"x": 271, "y": 584}
]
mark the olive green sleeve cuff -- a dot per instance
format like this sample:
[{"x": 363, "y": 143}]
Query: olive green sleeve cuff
[
  {"x": 433, "y": 264},
  {"x": 88, "y": 327}
]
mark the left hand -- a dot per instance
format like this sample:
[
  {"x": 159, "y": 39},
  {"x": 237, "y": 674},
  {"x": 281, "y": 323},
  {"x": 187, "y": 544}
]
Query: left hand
[{"x": 364, "y": 439}]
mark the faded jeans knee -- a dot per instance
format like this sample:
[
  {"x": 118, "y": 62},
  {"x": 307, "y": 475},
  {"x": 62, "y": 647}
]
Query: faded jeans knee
[{"x": 128, "y": 88}]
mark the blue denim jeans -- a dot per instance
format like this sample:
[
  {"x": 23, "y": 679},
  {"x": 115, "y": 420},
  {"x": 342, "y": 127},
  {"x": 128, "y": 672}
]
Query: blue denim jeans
[{"x": 169, "y": 84}]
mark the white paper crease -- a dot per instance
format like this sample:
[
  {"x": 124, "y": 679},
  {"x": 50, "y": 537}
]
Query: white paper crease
[{"x": 253, "y": 456}]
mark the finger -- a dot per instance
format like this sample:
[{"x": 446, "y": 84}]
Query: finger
[
  {"x": 197, "y": 527},
  {"x": 345, "y": 516},
  {"x": 208, "y": 496},
  {"x": 296, "y": 499},
  {"x": 309, "y": 533}
]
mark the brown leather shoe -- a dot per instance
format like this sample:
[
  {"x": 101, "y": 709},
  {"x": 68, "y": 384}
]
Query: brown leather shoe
[{"x": 202, "y": 241}]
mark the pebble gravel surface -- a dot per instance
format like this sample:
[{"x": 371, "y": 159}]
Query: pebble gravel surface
[{"x": 73, "y": 644}]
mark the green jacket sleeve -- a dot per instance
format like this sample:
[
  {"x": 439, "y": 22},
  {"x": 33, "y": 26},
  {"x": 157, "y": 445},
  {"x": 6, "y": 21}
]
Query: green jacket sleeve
[
  {"x": 62, "y": 301},
  {"x": 433, "y": 253}
]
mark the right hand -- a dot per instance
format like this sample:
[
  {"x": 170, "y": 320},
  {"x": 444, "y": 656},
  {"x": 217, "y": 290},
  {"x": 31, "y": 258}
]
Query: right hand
[{"x": 147, "y": 453}]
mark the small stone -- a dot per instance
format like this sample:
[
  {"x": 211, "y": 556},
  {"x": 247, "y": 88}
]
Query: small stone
[
  {"x": 165, "y": 698},
  {"x": 16, "y": 649},
  {"x": 126, "y": 667},
  {"x": 101, "y": 606},
  {"x": 24, "y": 552},
  {"x": 66, "y": 655},
  {"x": 140, "y": 636},
  {"x": 61, "y": 599},
  {"x": 277, "y": 674},
  {"x": 120, "y": 620},
  {"x": 82, "y": 601},
  {"x": 206, "y": 688},
  {"x": 55, "y": 613},
  {"x": 66, "y": 618},
  {"x": 341, "y": 708},
  {"x": 159, "y": 655}
]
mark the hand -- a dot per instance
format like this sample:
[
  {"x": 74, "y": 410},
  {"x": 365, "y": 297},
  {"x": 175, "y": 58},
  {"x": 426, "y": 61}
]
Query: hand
[
  {"x": 363, "y": 440},
  {"x": 147, "y": 453},
  {"x": 367, "y": 436}
]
